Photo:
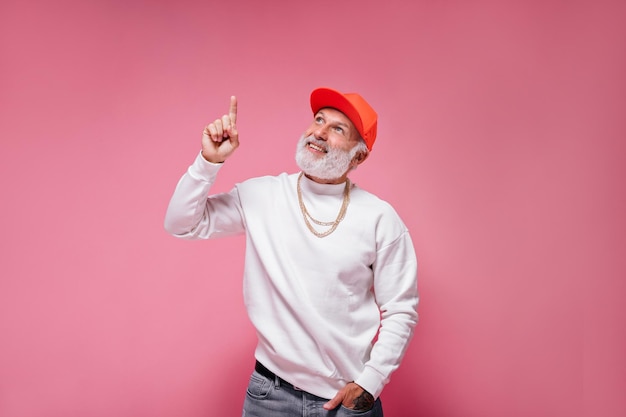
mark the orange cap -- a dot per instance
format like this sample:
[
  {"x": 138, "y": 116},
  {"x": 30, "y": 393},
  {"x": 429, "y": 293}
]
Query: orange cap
[{"x": 360, "y": 113}]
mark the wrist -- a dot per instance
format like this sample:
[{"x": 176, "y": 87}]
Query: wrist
[{"x": 212, "y": 159}]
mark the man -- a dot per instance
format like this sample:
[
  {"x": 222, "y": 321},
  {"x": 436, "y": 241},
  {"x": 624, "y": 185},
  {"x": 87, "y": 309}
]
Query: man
[{"x": 330, "y": 269}]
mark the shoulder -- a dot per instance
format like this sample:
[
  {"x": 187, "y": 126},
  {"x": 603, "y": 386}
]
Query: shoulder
[
  {"x": 371, "y": 201},
  {"x": 377, "y": 210},
  {"x": 265, "y": 184},
  {"x": 266, "y": 179}
]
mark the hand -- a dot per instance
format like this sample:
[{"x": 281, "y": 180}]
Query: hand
[
  {"x": 353, "y": 397},
  {"x": 220, "y": 138}
]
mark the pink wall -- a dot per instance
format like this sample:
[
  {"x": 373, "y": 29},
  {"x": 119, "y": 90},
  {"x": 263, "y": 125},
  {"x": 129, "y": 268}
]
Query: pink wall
[{"x": 501, "y": 144}]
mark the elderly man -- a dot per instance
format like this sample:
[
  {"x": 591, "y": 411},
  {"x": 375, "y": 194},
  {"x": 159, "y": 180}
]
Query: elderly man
[{"x": 330, "y": 269}]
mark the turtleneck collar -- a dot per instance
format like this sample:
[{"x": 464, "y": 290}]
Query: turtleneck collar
[{"x": 311, "y": 186}]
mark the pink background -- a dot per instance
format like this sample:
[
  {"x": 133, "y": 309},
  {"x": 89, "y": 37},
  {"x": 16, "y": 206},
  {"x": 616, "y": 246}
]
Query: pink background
[{"x": 501, "y": 144}]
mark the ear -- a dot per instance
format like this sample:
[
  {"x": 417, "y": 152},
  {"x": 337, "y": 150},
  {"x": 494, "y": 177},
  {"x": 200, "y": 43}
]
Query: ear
[{"x": 359, "y": 158}]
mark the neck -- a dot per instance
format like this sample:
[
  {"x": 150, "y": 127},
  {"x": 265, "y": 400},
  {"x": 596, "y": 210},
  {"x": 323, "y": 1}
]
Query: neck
[{"x": 339, "y": 180}]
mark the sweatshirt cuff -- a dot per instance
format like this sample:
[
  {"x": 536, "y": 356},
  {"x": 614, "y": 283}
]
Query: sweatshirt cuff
[
  {"x": 203, "y": 170},
  {"x": 371, "y": 381}
]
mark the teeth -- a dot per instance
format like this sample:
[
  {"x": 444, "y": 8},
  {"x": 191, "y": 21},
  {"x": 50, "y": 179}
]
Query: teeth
[{"x": 317, "y": 148}]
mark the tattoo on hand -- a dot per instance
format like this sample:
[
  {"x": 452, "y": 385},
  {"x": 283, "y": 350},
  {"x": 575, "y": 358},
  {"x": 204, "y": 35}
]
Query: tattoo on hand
[{"x": 364, "y": 402}]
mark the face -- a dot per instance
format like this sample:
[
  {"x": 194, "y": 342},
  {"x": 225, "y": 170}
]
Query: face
[{"x": 330, "y": 147}]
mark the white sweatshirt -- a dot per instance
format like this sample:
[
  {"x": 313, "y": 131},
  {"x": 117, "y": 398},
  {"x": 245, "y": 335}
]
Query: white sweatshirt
[{"x": 327, "y": 310}]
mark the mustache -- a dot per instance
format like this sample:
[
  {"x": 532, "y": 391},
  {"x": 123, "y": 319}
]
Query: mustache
[{"x": 311, "y": 139}]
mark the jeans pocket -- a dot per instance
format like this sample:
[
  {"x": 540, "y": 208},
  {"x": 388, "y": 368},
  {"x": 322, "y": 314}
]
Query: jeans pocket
[
  {"x": 345, "y": 411},
  {"x": 259, "y": 387},
  {"x": 375, "y": 411}
]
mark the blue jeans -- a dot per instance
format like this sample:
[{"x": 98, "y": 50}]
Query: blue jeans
[{"x": 274, "y": 398}]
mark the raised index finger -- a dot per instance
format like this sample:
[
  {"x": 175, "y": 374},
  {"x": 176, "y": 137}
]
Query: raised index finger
[{"x": 232, "y": 113}]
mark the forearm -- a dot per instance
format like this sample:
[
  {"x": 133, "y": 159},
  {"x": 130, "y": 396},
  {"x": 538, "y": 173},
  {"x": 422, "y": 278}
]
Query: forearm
[
  {"x": 395, "y": 285},
  {"x": 387, "y": 353},
  {"x": 188, "y": 205}
]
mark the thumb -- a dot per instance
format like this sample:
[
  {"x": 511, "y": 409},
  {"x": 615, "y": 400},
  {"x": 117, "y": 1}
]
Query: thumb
[{"x": 335, "y": 402}]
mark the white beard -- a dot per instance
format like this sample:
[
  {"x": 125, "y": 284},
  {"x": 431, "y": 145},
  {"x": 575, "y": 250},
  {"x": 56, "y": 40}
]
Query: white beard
[{"x": 331, "y": 166}]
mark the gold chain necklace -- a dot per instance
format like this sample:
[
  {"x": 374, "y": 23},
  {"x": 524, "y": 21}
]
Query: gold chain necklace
[{"x": 333, "y": 225}]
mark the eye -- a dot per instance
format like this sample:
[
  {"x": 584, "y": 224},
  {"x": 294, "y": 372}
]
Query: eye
[
  {"x": 319, "y": 119},
  {"x": 338, "y": 129}
]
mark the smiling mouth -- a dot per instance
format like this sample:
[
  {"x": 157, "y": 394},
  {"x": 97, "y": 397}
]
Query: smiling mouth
[{"x": 317, "y": 148}]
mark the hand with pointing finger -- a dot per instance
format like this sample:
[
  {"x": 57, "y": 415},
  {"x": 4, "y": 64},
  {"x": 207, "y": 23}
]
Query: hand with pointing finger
[{"x": 220, "y": 138}]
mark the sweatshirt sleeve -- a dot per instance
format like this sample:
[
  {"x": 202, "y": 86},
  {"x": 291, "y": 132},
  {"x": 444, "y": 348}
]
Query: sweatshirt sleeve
[
  {"x": 194, "y": 214},
  {"x": 395, "y": 286}
]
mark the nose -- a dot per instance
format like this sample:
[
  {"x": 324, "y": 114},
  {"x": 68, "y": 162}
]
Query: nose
[{"x": 321, "y": 132}]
